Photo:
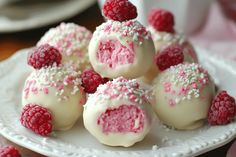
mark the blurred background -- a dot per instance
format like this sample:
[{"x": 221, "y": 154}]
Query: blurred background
[{"x": 210, "y": 24}]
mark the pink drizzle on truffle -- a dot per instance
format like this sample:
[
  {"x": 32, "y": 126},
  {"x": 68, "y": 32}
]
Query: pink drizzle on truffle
[{"x": 28, "y": 85}]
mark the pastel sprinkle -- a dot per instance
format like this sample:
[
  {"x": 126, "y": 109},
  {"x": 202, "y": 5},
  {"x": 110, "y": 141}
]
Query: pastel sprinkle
[
  {"x": 40, "y": 81},
  {"x": 131, "y": 28},
  {"x": 121, "y": 88},
  {"x": 168, "y": 38},
  {"x": 191, "y": 78}
]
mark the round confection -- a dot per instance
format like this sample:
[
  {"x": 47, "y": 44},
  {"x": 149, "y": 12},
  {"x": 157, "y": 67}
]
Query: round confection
[
  {"x": 118, "y": 113},
  {"x": 57, "y": 89},
  {"x": 72, "y": 41},
  {"x": 121, "y": 49},
  {"x": 183, "y": 95},
  {"x": 163, "y": 40}
]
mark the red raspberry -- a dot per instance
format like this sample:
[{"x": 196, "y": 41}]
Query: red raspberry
[
  {"x": 9, "y": 151},
  {"x": 105, "y": 80},
  {"x": 91, "y": 80},
  {"x": 170, "y": 56},
  {"x": 222, "y": 110},
  {"x": 37, "y": 118},
  {"x": 161, "y": 20},
  {"x": 119, "y": 10},
  {"x": 44, "y": 55}
]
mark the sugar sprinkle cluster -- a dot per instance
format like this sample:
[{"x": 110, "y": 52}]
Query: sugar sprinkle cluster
[
  {"x": 192, "y": 78},
  {"x": 57, "y": 77},
  {"x": 169, "y": 38},
  {"x": 121, "y": 88},
  {"x": 131, "y": 28}
]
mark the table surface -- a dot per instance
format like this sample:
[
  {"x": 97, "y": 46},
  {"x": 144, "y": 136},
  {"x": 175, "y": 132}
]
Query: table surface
[{"x": 90, "y": 18}]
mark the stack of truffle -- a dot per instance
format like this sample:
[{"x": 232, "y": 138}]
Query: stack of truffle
[{"x": 112, "y": 66}]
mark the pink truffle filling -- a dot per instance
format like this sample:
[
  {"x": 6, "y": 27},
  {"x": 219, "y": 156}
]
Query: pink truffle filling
[
  {"x": 113, "y": 53},
  {"x": 125, "y": 118}
]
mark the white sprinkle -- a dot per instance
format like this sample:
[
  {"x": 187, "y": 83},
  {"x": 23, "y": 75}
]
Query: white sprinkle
[{"x": 154, "y": 147}]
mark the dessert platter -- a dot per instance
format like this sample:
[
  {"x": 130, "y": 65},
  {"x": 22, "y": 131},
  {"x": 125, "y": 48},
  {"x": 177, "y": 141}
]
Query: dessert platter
[{"x": 123, "y": 90}]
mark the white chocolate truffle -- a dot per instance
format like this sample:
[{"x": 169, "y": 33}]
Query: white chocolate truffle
[
  {"x": 183, "y": 95},
  {"x": 161, "y": 41},
  {"x": 121, "y": 49},
  {"x": 72, "y": 41},
  {"x": 118, "y": 113},
  {"x": 57, "y": 89}
]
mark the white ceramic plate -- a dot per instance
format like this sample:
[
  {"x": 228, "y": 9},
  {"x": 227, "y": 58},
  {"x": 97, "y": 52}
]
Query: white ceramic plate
[
  {"x": 36, "y": 14},
  {"x": 160, "y": 142}
]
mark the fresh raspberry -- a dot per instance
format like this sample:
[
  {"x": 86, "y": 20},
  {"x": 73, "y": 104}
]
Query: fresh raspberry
[
  {"x": 91, "y": 80},
  {"x": 37, "y": 118},
  {"x": 119, "y": 10},
  {"x": 161, "y": 20},
  {"x": 9, "y": 151},
  {"x": 105, "y": 80},
  {"x": 222, "y": 110},
  {"x": 44, "y": 55},
  {"x": 170, "y": 56}
]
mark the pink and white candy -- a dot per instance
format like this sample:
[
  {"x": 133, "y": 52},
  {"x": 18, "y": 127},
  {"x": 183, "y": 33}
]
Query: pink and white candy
[
  {"x": 119, "y": 113},
  {"x": 121, "y": 49},
  {"x": 72, "y": 41}
]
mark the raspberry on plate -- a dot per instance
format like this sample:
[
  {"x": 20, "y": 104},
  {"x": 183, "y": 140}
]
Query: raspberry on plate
[
  {"x": 37, "y": 118},
  {"x": 91, "y": 80},
  {"x": 161, "y": 20},
  {"x": 170, "y": 56},
  {"x": 9, "y": 151},
  {"x": 222, "y": 110},
  {"x": 119, "y": 10},
  {"x": 44, "y": 55}
]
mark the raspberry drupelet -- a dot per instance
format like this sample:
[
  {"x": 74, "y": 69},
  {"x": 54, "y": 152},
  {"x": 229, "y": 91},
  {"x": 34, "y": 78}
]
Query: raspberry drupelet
[
  {"x": 37, "y": 118},
  {"x": 170, "y": 56},
  {"x": 119, "y": 10},
  {"x": 43, "y": 56},
  {"x": 9, "y": 151},
  {"x": 91, "y": 80},
  {"x": 162, "y": 20},
  {"x": 222, "y": 110}
]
